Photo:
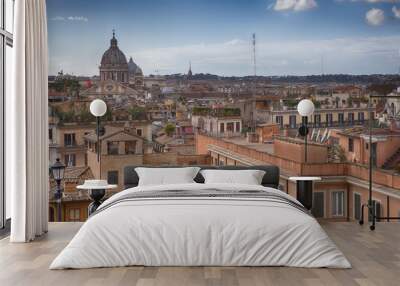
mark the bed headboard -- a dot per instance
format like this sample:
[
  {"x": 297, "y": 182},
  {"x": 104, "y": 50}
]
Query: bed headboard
[{"x": 270, "y": 179}]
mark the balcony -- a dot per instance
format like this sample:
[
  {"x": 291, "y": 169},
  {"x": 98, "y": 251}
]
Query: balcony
[{"x": 374, "y": 257}]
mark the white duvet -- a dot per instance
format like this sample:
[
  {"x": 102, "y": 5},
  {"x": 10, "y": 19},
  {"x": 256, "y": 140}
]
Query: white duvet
[{"x": 200, "y": 231}]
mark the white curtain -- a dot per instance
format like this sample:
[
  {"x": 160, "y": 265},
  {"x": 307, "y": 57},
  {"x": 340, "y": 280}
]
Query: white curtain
[{"x": 27, "y": 124}]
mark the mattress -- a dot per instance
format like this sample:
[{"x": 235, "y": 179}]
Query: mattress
[{"x": 201, "y": 225}]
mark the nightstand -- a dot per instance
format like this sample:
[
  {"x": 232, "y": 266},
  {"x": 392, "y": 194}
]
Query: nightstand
[
  {"x": 304, "y": 192},
  {"x": 97, "y": 190}
]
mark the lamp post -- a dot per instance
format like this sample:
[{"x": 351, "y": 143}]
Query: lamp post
[
  {"x": 370, "y": 205},
  {"x": 97, "y": 188},
  {"x": 304, "y": 185},
  {"x": 98, "y": 108},
  {"x": 57, "y": 170},
  {"x": 305, "y": 108}
]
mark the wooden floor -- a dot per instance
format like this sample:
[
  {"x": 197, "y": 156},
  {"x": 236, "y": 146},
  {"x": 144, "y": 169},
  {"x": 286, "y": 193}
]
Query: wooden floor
[{"x": 375, "y": 257}]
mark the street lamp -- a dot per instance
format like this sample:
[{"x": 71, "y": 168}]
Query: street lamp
[
  {"x": 98, "y": 108},
  {"x": 304, "y": 191},
  {"x": 370, "y": 205},
  {"x": 58, "y": 170},
  {"x": 305, "y": 108}
]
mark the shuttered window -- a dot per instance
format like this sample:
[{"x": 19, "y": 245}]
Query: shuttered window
[
  {"x": 112, "y": 177},
  {"x": 318, "y": 208},
  {"x": 378, "y": 210},
  {"x": 357, "y": 206},
  {"x": 338, "y": 203}
]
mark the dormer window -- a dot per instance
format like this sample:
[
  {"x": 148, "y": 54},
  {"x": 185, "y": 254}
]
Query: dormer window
[
  {"x": 130, "y": 147},
  {"x": 112, "y": 148}
]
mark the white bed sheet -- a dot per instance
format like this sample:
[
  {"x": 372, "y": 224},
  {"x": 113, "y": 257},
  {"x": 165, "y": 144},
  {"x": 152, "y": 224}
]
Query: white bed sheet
[{"x": 200, "y": 232}]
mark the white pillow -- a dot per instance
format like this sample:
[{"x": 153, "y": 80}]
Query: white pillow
[
  {"x": 247, "y": 177},
  {"x": 166, "y": 176}
]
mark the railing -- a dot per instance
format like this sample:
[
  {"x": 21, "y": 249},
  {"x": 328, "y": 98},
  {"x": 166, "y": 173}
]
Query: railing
[
  {"x": 382, "y": 177},
  {"x": 326, "y": 125}
]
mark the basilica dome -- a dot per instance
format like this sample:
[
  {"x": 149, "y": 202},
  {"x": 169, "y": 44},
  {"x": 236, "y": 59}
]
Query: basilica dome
[
  {"x": 114, "y": 56},
  {"x": 114, "y": 65}
]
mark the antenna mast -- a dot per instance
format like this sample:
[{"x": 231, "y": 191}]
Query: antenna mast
[
  {"x": 322, "y": 65},
  {"x": 253, "y": 123},
  {"x": 254, "y": 56}
]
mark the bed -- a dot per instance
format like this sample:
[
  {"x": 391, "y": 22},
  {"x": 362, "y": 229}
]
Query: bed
[{"x": 198, "y": 224}]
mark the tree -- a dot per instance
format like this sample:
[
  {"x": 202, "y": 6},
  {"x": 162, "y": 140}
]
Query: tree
[
  {"x": 138, "y": 112},
  {"x": 169, "y": 129}
]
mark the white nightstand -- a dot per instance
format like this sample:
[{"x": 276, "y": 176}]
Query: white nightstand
[{"x": 97, "y": 190}]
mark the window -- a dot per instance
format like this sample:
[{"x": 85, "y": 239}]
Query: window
[
  {"x": 112, "y": 177},
  {"x": 112, "y": 148},
  {"x": 139, "y": 132},
  {"x": 230, "y": 127},
  {"x": 51, "y": 135},
  {"x": 222, "y": 127},
  {"x": 351, "y": 145},
  {"x": 318, "y": 209},
  {"x": 357, "y": 206},
  {"x": 69, "y": 139},
  {"x": 338, "y": 203},
  {"x": 292, "y": 121},
  {"x": 237, "y": 126},
  {"x": 350, "y": 118},
  {"x": 329, "y": 119},
  {"x": 70, "y": 160},
  {"x": 279, "y": 120},
  {"x": 317, "y": 120},
  {"x": 341, "y": 118},
  {"x": 361, "y": 117},
  {"x": 130, "y": 147},
  {"x": 6, "y": 62},
  {"x": 378, "y": 210},
  {"x": 74, "y": 214}
]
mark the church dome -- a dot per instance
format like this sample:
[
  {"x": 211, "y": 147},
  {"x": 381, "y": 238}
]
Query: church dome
[
  {"x": 139, "y": 71},
  {"x": 114, "y": 56},
  {"x": 132, "y": 66}
]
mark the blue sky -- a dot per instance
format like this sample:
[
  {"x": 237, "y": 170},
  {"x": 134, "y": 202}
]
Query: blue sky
[{"x": 293, "y": 36}]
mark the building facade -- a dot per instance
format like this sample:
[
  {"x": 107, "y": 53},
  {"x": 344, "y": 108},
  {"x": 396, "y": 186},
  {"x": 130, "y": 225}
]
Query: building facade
[{"x": 340, "y": 193}]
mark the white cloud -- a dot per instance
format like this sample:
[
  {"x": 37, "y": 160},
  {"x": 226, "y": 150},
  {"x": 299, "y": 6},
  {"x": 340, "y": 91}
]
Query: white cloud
[
  {"x": 70, "y": 18},
  {"x": 58, "y": 18},
  {"x": 382, "y": 1},
  {"x": 370, "y": 1},
  {"x": 78, "y": 18},
  {"x": 375, "y": 17},
  {"x": 294, "y": 5},
  {"x": 396, "y": 12}
]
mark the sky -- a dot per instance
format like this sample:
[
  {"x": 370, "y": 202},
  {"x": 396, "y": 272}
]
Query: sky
[{"x": 293, "y": 37}]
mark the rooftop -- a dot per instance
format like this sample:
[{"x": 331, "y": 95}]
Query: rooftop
[
  {"x": 375, "y": 258},
  {"x": 363, "y": 131},
  {"x": 242, "y": 141}
]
